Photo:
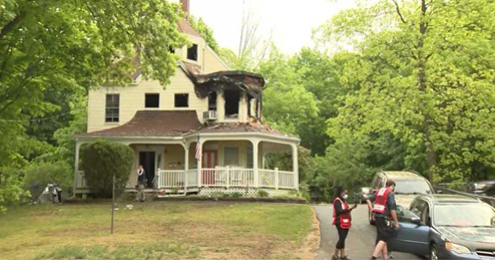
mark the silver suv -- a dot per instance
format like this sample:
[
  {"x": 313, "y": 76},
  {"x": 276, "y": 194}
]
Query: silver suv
[{"x": 408, "y": 185}]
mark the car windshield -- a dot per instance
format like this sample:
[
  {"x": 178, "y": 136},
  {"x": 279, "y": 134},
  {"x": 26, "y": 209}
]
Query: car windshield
[
  {"x": 467, "y": 215},
  {"x": 419, "y": 186}
]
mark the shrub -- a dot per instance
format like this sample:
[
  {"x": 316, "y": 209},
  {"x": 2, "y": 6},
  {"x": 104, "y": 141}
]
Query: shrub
[
  {"x": 236, "y": 195},
  {"x": 263, "y": 194},
  {"x": 101, "y": 161},
  {"x": 38, "y": 175}
]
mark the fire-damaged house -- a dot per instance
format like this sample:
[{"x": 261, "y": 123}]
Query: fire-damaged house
[{"x": 202, "y": 133}]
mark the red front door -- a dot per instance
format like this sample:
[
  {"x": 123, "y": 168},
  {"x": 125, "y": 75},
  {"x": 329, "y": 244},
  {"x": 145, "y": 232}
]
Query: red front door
[{"x": 208, "y": 162}]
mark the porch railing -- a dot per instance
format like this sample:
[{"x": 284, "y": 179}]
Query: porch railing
[{"x": 226, "y": 177}]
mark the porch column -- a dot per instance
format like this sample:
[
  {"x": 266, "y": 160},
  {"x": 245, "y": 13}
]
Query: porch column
[
  {"x": 295, "y": 166},
  {"x": 76, "y": 165},
  {"x": 186, "y": 159},
  {"x": 255, "y": 162},
  {"x": 200, "y": 161}
]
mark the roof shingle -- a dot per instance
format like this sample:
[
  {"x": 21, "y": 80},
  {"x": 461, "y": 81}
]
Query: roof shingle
[{"x": 154, "y": 123}]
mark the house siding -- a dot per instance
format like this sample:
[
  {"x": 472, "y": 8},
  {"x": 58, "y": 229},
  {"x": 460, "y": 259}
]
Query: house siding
[
  {"x": 132, "y": 99},
  {"x": 214, "y": 63}
]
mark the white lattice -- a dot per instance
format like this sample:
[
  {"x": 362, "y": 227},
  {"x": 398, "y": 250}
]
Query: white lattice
[{"x": 250, "y": 191}]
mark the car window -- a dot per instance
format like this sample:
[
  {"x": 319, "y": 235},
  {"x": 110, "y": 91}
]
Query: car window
[
  {"x": 373, "y": 183},
  {"x": 425, "y": 214},
  {"x": 412, "y": 186},
  {"x": 455, "y": 215}
]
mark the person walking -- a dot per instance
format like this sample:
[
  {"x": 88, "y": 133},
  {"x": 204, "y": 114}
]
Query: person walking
[
  {"x": 141, "y": 184},
  {"x": 341, "y": 220},
  {"x": 383, "y": 210}
]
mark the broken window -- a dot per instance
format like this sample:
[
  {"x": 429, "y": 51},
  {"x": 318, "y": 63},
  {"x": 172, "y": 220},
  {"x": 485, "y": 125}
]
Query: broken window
[
  {"x": 192, "y": 52},
  {"x": 232, "y": 98},
  {"x": 171, "y": 49},
  {"x": 212, "y": 101},
  {"x": 181, "y": 100},
  {"x": 152, "y": 100},
  {"x": 112, "y": 105}
]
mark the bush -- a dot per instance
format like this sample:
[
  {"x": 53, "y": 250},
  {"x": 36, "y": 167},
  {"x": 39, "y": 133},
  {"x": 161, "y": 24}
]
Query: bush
[
  {"x": 101, "y": 161},
  {"x": 263, "y": 194},
  {"x": 237, "y": 195},
  {"x": 38, "y": 175}
]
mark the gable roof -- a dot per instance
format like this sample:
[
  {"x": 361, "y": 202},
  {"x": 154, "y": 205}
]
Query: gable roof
[
  {"x": 153, "y": 123},
  {"x": 185, "y": 27}
]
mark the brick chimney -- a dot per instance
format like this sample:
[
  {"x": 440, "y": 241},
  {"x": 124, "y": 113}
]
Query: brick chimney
[{"x": 185, "y": 8}]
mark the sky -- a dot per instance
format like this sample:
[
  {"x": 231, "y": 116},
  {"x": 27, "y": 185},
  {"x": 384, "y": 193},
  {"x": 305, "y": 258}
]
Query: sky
[{"x": 290, "y": 22}]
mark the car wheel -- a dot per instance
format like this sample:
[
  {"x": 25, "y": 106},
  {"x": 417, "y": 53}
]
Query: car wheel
[
  {"x": 434, "y": 252},
  {"x": 370, "y": 218}
]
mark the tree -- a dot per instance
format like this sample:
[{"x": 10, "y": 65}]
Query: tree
[
  {"x": 204, "y": 30},
  {"x": 53, "y": 46},
  {"x": 101, "y": 161},
  {"x": 287, "y": 105},
  {"x": 425, "y": 79}
]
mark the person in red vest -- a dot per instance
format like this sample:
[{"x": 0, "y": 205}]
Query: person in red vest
[
  {"x": 342, "y": 220},
  {"x": 383, "y": 211}
]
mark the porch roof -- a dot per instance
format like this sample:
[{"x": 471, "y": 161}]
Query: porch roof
[
  {"x": 251, "y": 127},
  {"x": 153, "y": 123}
]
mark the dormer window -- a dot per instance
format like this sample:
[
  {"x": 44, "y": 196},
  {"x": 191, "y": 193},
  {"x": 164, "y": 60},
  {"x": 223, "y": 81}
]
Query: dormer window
[
  {"x": 152, "y": 100},
  {"x": 192, "y": 52},
  {"x": 181, "y": 100}
]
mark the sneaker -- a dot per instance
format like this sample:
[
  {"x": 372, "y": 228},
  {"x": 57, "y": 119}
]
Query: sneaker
[
  {"x": 334, "y": 257},
  {"x": 345, "y": 258},
  {"x": 390, "y": 256}
]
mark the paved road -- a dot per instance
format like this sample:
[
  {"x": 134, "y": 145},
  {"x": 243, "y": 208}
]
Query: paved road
[{"x": 359, "y": 242}]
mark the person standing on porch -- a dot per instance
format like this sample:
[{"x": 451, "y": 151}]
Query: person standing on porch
[{"x": 141, "y": 183}]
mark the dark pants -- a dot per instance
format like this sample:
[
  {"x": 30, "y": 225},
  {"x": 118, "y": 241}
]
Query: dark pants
[
  {"x": 383, "y": 231},
  {"x": 342, "y": 236}
]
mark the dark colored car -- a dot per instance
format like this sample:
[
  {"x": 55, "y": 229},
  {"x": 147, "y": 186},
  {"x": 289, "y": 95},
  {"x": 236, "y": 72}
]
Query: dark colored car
[
  {"x": 486, "y": 188},
  {"x": 445, "y": 226},
  {"x": 408, "y": 185}
]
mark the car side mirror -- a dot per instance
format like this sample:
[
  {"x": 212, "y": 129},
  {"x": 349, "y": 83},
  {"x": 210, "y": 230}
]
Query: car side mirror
[{"x": 416, "y": 220}]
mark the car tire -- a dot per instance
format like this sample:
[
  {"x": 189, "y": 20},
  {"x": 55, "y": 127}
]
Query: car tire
[
  {"x": 370, "y": 219},
  {"x": 433, "y": 252}
]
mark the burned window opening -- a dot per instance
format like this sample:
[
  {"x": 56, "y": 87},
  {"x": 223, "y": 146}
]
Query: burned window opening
[
  {"x": 192, "y": 52},
  {"x": 152, "y": 100},
  {"x": 232, "y": 98},
  {"x": 212, "y": 101},
  {"x": 181, "y": 100}
]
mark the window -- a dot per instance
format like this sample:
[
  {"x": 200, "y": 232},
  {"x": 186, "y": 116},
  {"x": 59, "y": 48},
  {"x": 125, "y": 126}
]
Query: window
[
  {"x": 192, "y": 52},
  {"x": 112, "y": 105},
  {"x": 152, "y": 100},
  {"x": 181, "y": 100},
  {"x": 171, "y": 49},
  {"x": 250, "y": 158},
  {"x": 212, "y": 101},
  {"x": 231, "y": 156},
  {"x": 232, "y": 98}
]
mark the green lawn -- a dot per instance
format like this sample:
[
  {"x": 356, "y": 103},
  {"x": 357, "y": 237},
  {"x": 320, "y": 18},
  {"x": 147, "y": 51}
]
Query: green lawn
[{"x": 157, "y": 230}]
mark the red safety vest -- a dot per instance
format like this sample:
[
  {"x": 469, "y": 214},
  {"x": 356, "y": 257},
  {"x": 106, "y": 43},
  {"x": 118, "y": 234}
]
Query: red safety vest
[
  {"x": 381, "y": 200},
  {"x": 344, "y": 219}
]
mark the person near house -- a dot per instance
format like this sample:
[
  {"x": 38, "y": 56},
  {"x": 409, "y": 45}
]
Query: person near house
[
  {"x": 341, "y": 220},
  {"x": 384, "y": 210},
  {"x": 141, "y": 183}
]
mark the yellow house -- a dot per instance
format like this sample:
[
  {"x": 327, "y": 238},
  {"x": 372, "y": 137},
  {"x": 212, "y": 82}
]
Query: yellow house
[{"x": 202, "y": 133}]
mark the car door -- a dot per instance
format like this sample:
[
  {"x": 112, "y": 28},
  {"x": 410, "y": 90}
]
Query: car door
[{"x": 411, "y": 237}]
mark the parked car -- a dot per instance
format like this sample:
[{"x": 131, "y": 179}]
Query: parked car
[
  {"x": 486, "y": 188},
  {"x": 445, "y": 226},
  {"x": 408, "y": 185},
  {"x": 362, "y": 194}
]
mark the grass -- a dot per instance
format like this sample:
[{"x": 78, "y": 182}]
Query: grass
[{"x": 155, "y": 230}]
